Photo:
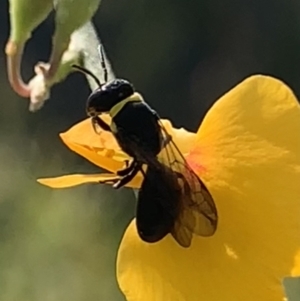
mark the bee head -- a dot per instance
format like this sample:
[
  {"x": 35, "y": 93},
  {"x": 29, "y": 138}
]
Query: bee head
[{"x": 103, "y": 99}]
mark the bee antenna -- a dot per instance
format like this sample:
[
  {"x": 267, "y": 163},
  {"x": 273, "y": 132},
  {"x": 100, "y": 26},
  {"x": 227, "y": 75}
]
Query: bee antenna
[
  {"x": 103, "y": 64},
  {"x": 88, "y": 72}
]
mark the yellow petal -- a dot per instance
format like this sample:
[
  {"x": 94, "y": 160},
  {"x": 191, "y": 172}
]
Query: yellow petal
[
  {"x": 79, "y": 179},
  {"x": 248, "y": 154},
  {"x": 83, "y": 134},
  {"x": 103, "y": 150},
  {"x": 107, "y": 159},
  {"x": 183, "y": 138}
]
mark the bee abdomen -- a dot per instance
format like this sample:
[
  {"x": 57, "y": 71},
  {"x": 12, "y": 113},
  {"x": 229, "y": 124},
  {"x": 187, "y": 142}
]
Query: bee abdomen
[{"x": 157, "y": 206}]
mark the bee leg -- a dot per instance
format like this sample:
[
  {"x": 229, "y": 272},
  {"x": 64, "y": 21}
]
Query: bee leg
[
  {"x": 127, "y": 169},
  {"x": 128, "y": 177},
  {"x": 167, "y": 139},
  {"x": 124, "y": 175},
  {"x": 110, "y": 181},
  {"x": 98, "y": 122}
]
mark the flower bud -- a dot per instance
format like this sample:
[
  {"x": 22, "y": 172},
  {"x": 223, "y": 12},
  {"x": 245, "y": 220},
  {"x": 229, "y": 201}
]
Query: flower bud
[{"x": 25, "y": 16}]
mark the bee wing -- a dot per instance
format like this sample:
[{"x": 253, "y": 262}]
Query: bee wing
[
  {"x": 198, "y": 212},
  {"x": 181, "y": 234},
  {"x": 157, "y": 206}
]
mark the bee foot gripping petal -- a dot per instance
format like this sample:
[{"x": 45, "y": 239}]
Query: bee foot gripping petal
[
  {"x": 128, "y": 166},
  {"x": 116, "y": 182},
  {"x": 110, "y": 181}
]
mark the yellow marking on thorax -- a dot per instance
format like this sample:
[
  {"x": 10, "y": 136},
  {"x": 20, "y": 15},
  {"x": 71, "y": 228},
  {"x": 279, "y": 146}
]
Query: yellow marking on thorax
[{"x": 135, "y": 97}]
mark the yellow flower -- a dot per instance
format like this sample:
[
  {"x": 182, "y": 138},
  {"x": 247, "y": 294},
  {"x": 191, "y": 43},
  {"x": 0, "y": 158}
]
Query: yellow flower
[{"x": 247, "y": 151}]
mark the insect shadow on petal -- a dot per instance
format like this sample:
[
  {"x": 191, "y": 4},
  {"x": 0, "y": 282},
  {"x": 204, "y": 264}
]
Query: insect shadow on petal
[{"x": 172, "y": 198}]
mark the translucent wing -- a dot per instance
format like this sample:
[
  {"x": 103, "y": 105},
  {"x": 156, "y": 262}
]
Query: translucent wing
[
  {"x": 182, "y": 234},
  {"x": 157, "y": 206},
  {"x": 198, "y": 212},
  {"x": 193, "y": 209}
]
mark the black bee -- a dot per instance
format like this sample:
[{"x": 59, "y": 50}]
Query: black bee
[{"x": 172, "y": 199}]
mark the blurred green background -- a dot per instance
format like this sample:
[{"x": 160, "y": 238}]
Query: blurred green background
[{"x": 183, "y": 55}]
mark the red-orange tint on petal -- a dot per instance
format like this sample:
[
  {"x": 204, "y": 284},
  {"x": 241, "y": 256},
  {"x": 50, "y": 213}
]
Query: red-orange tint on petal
[{"x": 248, "y": 154}]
